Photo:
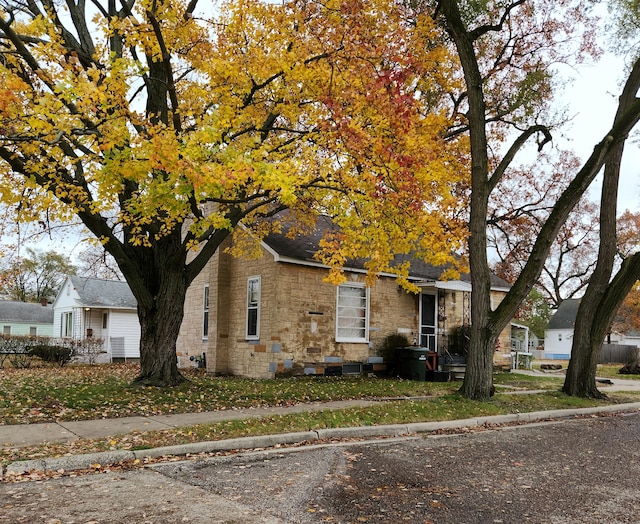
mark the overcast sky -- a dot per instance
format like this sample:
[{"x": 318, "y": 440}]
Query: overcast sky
[{"x": 592, "y": 100}]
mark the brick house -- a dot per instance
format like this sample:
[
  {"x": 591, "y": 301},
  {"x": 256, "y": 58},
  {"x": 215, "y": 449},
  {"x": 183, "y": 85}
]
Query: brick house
[{"x": 275, "y": 314}]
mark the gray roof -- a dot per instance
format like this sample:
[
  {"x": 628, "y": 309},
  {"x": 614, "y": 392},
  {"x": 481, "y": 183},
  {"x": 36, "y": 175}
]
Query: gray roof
[
  {"x": 565, "y": 315},
  {"x": 304, "y": 247},
  {"x": 95, "y": 292},
  {"x": 11, "y": 311}
]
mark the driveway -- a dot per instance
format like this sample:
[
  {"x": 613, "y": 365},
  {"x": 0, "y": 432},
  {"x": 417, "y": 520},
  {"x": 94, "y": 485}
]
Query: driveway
[{"x": 573, "y": 471}]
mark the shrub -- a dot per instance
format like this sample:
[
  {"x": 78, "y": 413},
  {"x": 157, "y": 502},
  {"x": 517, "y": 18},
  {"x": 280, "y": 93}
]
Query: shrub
[
  {"x": 389, "y": 349},
  {"x": 55, "y": 354}
]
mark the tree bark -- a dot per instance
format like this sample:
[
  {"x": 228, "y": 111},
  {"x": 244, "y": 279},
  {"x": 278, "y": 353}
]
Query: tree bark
[
  {"x": 478, "y": 381},
  {"x": 159, "y": 328},
  {"x": 158, "y": 279},
  {"x": 602, "y": 297},
  {"x": 581, "y": 374}
]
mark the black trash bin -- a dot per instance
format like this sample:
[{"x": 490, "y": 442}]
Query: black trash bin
[{"x": 412, "y": 363}]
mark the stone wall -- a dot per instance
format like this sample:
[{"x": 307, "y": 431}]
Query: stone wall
[{"x": 297, "y": 318}]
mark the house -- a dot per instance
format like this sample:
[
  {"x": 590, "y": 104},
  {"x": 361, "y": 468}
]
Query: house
[
  {"x": 22, "y": 318},
  {"x": 276, "y": 314},
  {"x": 630, "y": 338},
  {"x": 104, "y": 309},
  {"x": 558, "y": 337}
]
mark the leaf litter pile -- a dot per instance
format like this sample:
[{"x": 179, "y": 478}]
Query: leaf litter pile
[
  {"x": 47, "y": 394},
  {"x": 84, "y": 392}
]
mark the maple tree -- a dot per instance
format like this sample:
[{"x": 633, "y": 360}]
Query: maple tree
[
  {"x": 504, "y": 49},
  {"x": 164, "y": 127}
]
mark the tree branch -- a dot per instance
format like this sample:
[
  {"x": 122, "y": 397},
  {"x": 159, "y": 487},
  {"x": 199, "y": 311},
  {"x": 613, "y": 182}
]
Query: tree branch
[{"x": 513, "y": 151}]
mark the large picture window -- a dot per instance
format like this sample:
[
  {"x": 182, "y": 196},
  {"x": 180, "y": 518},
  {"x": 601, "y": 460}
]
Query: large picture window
[
  {"x": 352, "y": 318},
  {"x": 253, "y": 308},
  {"x": 205, "y": 314}
]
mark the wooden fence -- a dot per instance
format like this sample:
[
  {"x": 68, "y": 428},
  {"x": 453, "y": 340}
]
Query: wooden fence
[{"x": 616, "y": 354}]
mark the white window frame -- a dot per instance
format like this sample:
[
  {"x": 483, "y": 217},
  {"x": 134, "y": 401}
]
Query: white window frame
[
  {"x": 205, "y": 313},
  {"x": 253, "y": 305},
  {"x": 345, "y": 338},
  {"x": 66, "y": 324}
]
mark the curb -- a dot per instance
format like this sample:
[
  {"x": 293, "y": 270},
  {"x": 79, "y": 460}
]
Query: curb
[{"x": 106, "y": 458}]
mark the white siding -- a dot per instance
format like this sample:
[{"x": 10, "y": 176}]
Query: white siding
[
  {"x": 58, "y": 312},
  {"x": 558, "y": 342},
  {"x": 125, "y": 324},
  {"x": 67, "y": 297}
]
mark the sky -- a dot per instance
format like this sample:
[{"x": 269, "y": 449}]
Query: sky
[{"x": 592, "y": 99}]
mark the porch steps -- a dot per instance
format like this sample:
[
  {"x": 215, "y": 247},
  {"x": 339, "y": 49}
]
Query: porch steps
[{"x": 457, "y": 370}]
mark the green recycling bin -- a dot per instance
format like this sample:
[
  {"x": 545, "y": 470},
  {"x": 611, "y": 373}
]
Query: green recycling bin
[{"x": 412, "y": 363}]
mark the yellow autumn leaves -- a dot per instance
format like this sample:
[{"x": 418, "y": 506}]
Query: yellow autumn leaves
[{"x": 336, "y": 108}]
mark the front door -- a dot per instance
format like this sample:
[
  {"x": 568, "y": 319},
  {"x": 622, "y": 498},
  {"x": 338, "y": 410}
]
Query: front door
[{"x": 428, "y": 321}]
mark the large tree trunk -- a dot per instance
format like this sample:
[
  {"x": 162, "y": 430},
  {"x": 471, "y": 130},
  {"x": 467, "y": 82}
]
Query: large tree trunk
[
  {"x": 478, "y": 381},
  {"x": 588, "y": 338},
  {"x": 602, "y": 297},
  {"x": 580, "y": 380},
  {"x": 478, "y": 378},
  {"x": 159, "y": 328},
  {"x": 159, "y": 280}
]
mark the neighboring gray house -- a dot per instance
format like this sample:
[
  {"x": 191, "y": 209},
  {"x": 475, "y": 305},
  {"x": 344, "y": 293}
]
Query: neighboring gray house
[
  {"x": 22, "y": 318},
  {"x": 106, "y": 309}
]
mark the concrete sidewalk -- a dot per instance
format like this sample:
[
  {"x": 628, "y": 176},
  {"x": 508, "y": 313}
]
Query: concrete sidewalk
[
  {"x": 61, "y": 431},
  {"x": 55, "y": 432}
]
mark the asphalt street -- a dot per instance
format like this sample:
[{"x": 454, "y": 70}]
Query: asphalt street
[{"x": 584, "y": 470}]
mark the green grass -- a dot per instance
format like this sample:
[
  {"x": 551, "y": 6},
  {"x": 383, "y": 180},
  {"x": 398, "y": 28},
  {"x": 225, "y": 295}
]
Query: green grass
[
  {"x": 86, "y": 392},
  {"x": 521, "y": 381},
  {"x": 611, "y": 371}
]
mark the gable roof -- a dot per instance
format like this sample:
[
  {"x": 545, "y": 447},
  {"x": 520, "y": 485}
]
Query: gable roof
[
  {"x": 95, "y": 292},
  {"x": 302, "y": 248},
  {"x": 13, "y": 311},
  {"x": 565, "y": 315}
]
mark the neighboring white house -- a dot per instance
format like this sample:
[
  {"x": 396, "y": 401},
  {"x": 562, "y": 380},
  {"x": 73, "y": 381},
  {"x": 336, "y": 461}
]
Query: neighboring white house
[
  {"x": 22, "y": 318},
  {"x": 632, "y": 338},
  {"x": 558, "y": 337},
  {"x": 106, "y": 309}
]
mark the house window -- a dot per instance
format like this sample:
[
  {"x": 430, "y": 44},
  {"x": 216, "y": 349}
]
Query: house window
[
  {"x": 6, "y": 330},
  {"x": 105, "y": 319},
  {"x": 66, "y": 325},
  {"x": 33, "y": 330},
  {"x": 205, "y": 314},
  {"x": 253, "y": 308},
  {"x": 352, "y": 317}
]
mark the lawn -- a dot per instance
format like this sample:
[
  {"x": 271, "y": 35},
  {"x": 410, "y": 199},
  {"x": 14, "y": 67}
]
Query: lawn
[
  {"x": 82, "y": 392},
  {"x": 86, "y": 392},
  {"x": 611, "y": 371}
]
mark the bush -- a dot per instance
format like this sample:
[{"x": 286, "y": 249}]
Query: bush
[
  {"x": 389, "y": 350},
  {"x": 55, "y": 354}
]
